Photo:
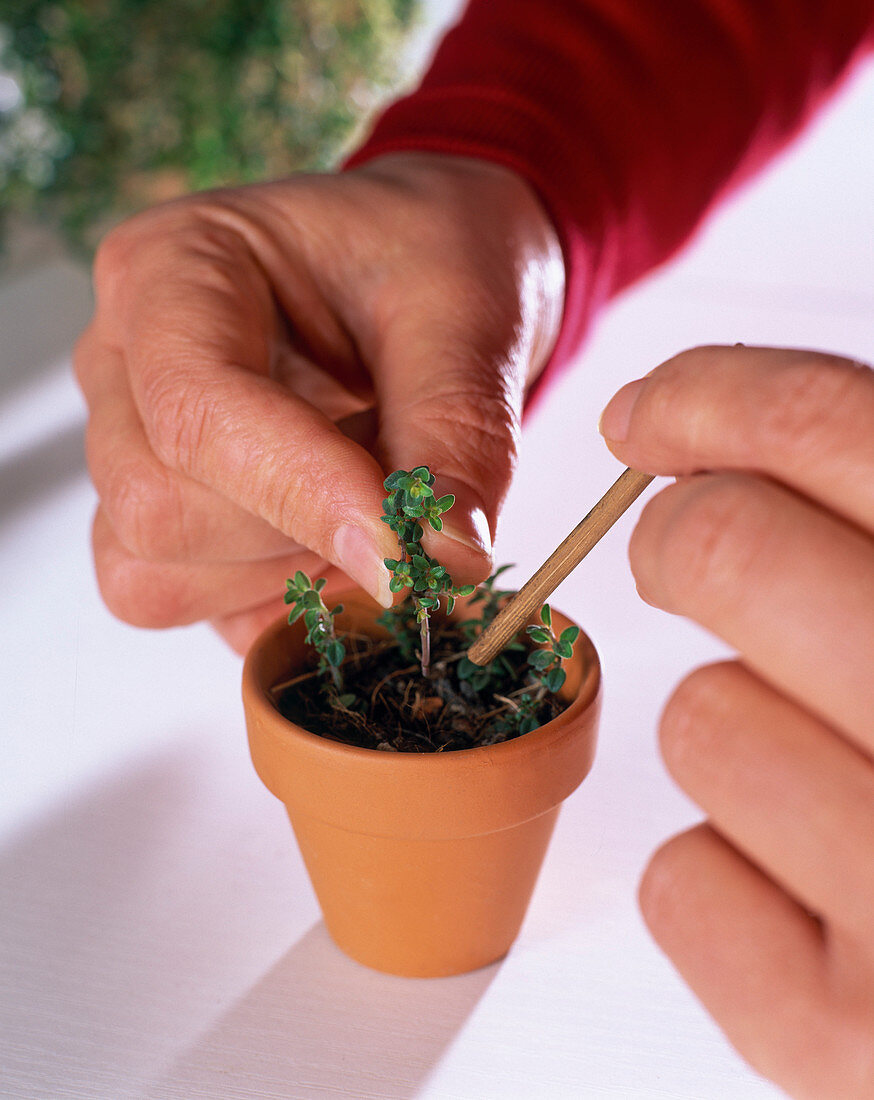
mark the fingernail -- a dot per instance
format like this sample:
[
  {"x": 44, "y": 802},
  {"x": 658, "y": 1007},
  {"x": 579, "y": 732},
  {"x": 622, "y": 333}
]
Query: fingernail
[
  {"x": 358, "y": 556},
  {"x": 616, "y": 417},
  {"x": 466, "y": 521}
]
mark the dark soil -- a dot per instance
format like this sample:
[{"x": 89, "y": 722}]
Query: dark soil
[{"x": 398, "y": 710}]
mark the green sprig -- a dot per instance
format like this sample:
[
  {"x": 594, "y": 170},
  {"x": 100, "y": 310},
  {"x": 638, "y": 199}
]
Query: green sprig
[
  {"x": 306, "y": 600},
  {"x": 545, "y": 663},
  {"x": 410, "y": 503}
]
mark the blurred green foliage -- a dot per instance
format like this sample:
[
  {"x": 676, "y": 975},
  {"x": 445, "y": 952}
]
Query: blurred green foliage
[{"x": 107, "y": 106}]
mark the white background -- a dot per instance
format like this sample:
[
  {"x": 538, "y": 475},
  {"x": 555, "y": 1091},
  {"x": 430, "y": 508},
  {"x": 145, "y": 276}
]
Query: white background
[{"x": 158, "y": 935}]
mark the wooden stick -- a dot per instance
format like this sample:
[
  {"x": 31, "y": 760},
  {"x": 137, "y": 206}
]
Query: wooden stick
[{"x": 560, "y": 564}]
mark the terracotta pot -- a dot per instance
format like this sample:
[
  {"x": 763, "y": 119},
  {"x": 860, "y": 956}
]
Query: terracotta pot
[{"x": 423, "y": 864}]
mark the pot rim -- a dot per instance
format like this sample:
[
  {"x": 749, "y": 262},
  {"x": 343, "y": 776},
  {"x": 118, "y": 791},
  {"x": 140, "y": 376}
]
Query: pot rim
[
  {"x": 335, "y": 781},
  {"x": 261, "y": 699}
]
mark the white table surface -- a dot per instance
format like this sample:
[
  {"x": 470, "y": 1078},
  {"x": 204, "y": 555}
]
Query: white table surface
[{"x": 158, "y": 934}]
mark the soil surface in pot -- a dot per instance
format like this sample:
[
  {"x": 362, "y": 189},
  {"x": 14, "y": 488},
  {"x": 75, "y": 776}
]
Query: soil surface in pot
[{"x": 396, "y": 709}]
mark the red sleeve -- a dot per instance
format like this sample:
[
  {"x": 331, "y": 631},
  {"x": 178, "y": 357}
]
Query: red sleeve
[{"x": 630, "y": 118}]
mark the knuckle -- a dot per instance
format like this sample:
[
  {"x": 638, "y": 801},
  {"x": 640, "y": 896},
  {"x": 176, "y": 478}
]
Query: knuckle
[
  {"x": 117, "y": 254},
  {"x": 814, "y": 393},
  {"x": 691, "y": 723},
  {"x": 138, "y": 592},
  {"x": 178, "y": 416},
  {"x": 481, "y": 420},
  {"x": 662, "y": 886},
  {"x": 113, "y": 252},
  {"x": 145, "y": 508},
  {"x": 715, "y": 540},
  {"x": 485, "y": 427}
]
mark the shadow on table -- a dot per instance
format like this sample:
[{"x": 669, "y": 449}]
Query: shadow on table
[
  {"x": 41, "y": 469},
  {"x": 133, "y": 916},
  {"x": 41, "y": 315},
  {"x": 320, "y": 1025}
]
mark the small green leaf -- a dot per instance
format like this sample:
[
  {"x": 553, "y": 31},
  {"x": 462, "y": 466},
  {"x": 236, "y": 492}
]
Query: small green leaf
[
  {"x": 450, "y": 604},
  {"x": 546, "y": 615},
  {"x": 346, "y": 699},
  {"x": 320, "y": 584},
  {"x": 295, "y": 614},
  {"x": 570, "y": 634},
  {"x": 338, "y": 609},
  {"x": 390, "y": 563},
  {"x": 335, "y": 652},
  {"x": 540, "y": 659},
  {"x": 563, "y": 649},
  {"x": 423, "y": 473},
  {"x": 302, "y": 580},
  {"x": 528, "y": 724},
  {"x": 501, "y": 569},
  {"x": 396, "y": 584},
  {"x": 554, "y": 679},
  {"x": 290, "y": 597},
  {"x": 311, "y": 617},
  {"x": 311, "y": 598},
  {"x": 444, "y": 503},
  {"x": 538, "y": 634},
  {"x": 466, "y": 668},
  {"x": 393, "y": 480},
  {"x": 436, "y": 522},
  {"x": 465, "y": 590}
]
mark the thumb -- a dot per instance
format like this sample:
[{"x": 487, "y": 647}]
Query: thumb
[{"x": 446, "y": 405}]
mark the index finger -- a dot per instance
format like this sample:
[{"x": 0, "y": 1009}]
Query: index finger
[
  {"x": 804, "y": 418},
  {"x": 195, "y": 319}
]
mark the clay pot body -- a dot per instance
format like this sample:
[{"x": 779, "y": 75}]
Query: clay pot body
[{"x": 423, "y": 864}]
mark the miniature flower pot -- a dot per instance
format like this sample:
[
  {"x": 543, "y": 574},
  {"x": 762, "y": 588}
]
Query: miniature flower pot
[{"x": 423, "y": 864}]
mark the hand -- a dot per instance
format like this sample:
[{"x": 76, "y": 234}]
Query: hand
[
  {"x": 767, "y": 910},
  {"x": 260, "y": 358}
]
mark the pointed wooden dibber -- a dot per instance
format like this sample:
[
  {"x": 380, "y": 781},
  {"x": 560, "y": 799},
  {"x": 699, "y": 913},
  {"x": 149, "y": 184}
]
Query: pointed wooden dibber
[{"x": 560, "y": 564}]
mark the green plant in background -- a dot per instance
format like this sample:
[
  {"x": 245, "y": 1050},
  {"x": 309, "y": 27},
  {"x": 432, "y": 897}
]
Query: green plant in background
[
  {"x": 411, "y": 499},
  {"x": 107, "y": 106}
]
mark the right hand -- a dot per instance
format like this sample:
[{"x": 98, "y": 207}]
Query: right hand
[{"x": 260, "y": 358}]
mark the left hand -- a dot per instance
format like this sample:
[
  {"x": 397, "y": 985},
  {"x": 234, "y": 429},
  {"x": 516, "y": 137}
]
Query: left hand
[{"x": 767, "y": 909}]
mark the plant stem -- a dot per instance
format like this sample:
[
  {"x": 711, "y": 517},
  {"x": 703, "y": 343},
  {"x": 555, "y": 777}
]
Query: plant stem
[{"x": 425, "y": 635}]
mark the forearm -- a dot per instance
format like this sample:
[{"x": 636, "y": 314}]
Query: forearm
[{"x": 629, "y": 125}]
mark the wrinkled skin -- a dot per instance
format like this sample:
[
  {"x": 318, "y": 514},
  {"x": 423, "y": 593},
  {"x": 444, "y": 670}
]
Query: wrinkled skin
[{"x": 259, "y": 358}]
